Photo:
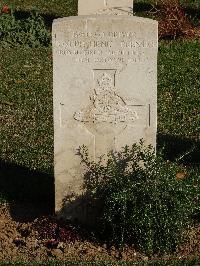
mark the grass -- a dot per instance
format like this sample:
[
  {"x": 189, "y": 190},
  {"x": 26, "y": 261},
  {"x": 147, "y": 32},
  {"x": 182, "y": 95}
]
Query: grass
[
  {"x": 56, "y": 8},
  {"x": 26, "y": 135},
  {"x": 26, "y": 106},
  {"x": 27, "y": 113},
  {"x": 26, "y": 110},
  {"x": 178, "y": 89},
  {"x": 26, "y": 99}
]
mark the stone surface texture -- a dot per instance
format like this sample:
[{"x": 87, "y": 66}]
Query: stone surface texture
[
  {"x": 105, "y": 94},
  {"x": 114, "y": 7}
]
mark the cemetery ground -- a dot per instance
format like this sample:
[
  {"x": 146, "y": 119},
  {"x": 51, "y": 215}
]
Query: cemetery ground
[{"x": 26, "y": 176}]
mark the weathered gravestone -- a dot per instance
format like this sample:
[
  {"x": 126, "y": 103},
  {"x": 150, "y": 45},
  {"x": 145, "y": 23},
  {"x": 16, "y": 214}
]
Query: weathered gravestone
[
  {"x": 105, "y": 86},
  {"x": 115, "y": 7}
]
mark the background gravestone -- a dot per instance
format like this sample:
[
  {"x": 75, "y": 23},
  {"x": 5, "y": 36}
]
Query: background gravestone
[
  {"x": 116, "y": 7},
  {"x": 105, "y": 94}
]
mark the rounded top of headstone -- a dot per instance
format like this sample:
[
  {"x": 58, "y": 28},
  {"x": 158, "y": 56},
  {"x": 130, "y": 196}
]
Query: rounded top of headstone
[{"x": 111, "y": 17}]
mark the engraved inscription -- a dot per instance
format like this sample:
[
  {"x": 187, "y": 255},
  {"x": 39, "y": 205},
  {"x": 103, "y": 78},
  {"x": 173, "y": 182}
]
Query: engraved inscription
[
  {"x": 102, "y": 34},
  {"x": 109, "y": 56},
  {"x": 104, "y": 44},
  {"x": 105, "y": 104},
  {"x": 104, "y": 47}
]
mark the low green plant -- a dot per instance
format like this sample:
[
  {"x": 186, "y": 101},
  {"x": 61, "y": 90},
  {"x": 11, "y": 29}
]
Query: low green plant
[
  {"x": 31, "y": 31},
  {"x": 145, "y": 200}
]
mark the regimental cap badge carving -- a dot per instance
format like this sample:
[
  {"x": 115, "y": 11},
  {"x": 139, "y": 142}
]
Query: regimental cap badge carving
[{"x": 105, "y": 104}]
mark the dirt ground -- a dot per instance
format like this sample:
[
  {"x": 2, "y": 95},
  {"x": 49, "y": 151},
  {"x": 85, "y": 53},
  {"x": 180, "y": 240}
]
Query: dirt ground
[{"x": 43, "y": 238}]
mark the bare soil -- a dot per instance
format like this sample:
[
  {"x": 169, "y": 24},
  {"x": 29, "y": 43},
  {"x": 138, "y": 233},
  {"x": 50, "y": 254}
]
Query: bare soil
[{"x": 43, "y": 238}]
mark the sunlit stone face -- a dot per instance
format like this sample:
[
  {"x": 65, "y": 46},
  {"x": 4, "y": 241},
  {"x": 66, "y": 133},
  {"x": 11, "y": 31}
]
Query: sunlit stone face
[{"x": 105, "y": 86}]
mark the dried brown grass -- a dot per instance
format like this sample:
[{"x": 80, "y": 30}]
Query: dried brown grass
[{"x": 173, "y": 21}]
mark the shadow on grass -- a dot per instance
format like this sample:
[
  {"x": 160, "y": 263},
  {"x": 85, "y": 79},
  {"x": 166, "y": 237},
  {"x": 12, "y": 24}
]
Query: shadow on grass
[
  {"x": 193, "y": 14},
  {"x": 29, "y": 193},
  {"x": 48, "y": 18},
  {"x": 186, "y": 151},
  {"x": 142, "y": 7}
]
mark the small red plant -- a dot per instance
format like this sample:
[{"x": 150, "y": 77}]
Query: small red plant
[
  {"x": 5, "y": 9},
  {"x": 54, "y": 230}
]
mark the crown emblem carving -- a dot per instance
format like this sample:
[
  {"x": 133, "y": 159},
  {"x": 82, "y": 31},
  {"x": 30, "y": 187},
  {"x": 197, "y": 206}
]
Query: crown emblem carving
[{"x": 105, "y": 81}]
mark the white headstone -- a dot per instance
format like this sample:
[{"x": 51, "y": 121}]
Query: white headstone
[
  {"x": 105, "y": 94},
  {"x": 114, "y": 7}
]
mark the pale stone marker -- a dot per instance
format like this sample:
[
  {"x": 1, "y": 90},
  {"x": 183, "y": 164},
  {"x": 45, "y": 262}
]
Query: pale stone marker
[
  {"x": 114, "y": 7},
  {"x": 105, "y": 90}
]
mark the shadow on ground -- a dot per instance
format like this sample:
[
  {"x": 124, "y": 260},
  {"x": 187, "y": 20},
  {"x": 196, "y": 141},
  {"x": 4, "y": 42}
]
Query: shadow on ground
[{"x": 29, "y": 193}]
